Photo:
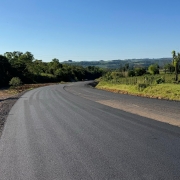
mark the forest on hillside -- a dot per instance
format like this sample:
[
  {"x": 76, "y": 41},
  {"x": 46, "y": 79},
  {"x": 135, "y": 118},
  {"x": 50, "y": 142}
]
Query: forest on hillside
[{"x": 31, "y": 70}]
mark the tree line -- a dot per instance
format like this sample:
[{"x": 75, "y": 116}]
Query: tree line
[
  {"x": 31, "y": 70},
  {"x": 113, "y": 64}
]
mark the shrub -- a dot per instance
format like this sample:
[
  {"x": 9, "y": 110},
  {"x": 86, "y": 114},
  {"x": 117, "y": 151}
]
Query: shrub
[
  {"x": 153, "y": 69},
  {"x": 160, "y": 80},
  {"x": 131, "y": 73},
  {"x": 116, "y": 75},
  {"x": 142, "y": 86},
  {"x": 140, "y": 71},
  {"x": 107, "y": 76},
  {"x": 15, "y": 81}
]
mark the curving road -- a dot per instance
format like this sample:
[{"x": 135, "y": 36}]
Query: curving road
[{"x": 66, "y": 132}]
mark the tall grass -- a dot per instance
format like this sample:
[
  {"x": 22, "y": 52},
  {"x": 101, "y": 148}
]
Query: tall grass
[
  {"x": 156, "y": 86},
  {"x": 147, "y": 79}
]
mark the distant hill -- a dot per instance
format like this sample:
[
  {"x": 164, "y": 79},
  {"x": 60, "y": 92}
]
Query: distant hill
[{"x": 114, "y": 64}]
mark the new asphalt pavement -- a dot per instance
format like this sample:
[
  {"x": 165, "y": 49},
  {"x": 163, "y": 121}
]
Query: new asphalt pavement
[{"x": 62, "y": 132}]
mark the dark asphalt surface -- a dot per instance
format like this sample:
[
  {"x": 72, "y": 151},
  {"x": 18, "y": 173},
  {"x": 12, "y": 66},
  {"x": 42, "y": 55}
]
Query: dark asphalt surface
[{"x": 59, "y": 132}]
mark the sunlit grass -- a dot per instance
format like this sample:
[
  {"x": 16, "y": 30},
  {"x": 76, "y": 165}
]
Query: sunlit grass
[{"x": 164, "y": 91}]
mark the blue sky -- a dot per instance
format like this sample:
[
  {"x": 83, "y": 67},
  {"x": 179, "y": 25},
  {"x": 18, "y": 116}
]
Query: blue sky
[{"x": 90, "y": 29}]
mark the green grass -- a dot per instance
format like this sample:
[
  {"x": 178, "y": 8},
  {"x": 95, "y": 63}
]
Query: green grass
[
  {"x": 166, "y": 91},
  {"x": 161, "y": 91}
]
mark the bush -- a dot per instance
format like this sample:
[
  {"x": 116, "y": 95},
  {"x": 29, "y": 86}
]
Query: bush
[
  {"x": 140, "y": 71},
  {"x": 142, "y": 86},
  {"x": 153, "y": 69},
  {"x": 15, "y": 81},
  {"x": 160, "y": 80},
  {"x": 116, "y": 75},
  {"x": 131, "y": 73}
]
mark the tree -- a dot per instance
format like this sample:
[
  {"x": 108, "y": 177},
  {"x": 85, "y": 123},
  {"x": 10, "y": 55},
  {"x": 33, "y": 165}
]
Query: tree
[
  {"x": 131, "y": 73},
  {"x": 21, "y": 64},
  {"x": 176, "y": 60},
  {"x": 140, "y": 71},
  {"x": 5, "y": 69},
  {"x": 54, "y": 65},
  {"x": 31, "y": 70},
  {"x": 169, "y": 67},
  {"x": 126, "y": 66},
  {"x": 153, "y": 69}
]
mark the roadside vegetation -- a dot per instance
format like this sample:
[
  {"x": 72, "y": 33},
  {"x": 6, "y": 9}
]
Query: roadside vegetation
[
  {"x": 153, "y": 81},
  {"x": 22, "y": 71},
  {"x": 18, "y": 68}
]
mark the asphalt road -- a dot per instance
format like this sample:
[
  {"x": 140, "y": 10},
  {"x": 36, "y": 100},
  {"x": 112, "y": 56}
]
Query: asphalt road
[{"x": 61, "y": 132}]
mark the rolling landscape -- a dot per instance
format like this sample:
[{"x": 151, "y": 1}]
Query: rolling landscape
[
  {"x": 114, "y": 64},
  {"x": 89, "y": 90}
]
